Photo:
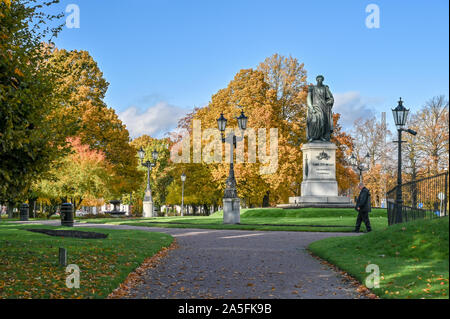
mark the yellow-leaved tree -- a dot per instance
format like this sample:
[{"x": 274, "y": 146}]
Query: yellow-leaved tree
[
  {"x": 273, "y": 97},
  {"x": 82, "y": 82}
]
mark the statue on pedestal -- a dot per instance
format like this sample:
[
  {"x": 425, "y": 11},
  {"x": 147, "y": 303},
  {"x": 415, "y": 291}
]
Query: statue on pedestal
[
  {"x": 319, "y": 187},
  {"x": 319, "y": 116}
]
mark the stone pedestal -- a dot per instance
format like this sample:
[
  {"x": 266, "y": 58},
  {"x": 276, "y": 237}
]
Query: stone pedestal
[
  {"x": 319, "y": 169},
  {"x": 148, "y": 210},
  {"x": 319, "y": 187},
  {"x": 231, "y": 211}
]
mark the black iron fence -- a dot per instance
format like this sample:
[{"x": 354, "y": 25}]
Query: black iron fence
[{"x": 426, "y": 198}]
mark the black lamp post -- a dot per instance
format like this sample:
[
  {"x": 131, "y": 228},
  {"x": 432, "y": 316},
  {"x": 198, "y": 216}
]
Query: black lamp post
[
  {"x": 358, "y": 164},
  {"x": 400, "y": 114},
  {"x": 149, "y": 165},
  {"x": 230, "y": 184}
]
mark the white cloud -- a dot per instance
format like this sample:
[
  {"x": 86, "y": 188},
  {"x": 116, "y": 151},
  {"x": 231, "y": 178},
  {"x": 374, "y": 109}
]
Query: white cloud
[
  {"x": 155, "y": 121},
  {"x": 351, "y": 106}
]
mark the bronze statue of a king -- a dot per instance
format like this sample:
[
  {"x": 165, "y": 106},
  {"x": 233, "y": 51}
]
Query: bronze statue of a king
[{"x": 319, "y": 115}]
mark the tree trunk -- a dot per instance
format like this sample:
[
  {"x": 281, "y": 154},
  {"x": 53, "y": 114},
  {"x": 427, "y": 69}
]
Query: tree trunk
[
  {"x": 77, "y": 204},
  {"x": 265, "y": 201},
  {"x": 31, "y": 206},
  {"x": 10, "y": 209}
]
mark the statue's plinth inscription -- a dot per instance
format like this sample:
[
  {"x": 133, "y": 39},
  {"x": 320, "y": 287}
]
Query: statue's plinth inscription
[{"x": 319, "y": 169}]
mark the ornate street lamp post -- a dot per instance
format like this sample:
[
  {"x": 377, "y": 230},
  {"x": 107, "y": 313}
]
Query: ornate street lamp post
[
  {"x": 400, "y": 114},
  {"x": 231, "y": 203},
  {"x": 148, "y": 200},
  {"x": 183, "y": 179},
  {"x": 360, "y": 165}
]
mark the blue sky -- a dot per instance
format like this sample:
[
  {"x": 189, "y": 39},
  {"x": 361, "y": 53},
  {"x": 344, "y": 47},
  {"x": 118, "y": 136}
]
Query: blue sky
[{"x": 162, "y": 58}]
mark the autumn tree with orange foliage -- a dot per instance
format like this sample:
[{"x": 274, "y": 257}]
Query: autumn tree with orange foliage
[
  {"x": 83, "y": 177},
  {"x": 272, "y": 96},
  {"x": 84, "y": 86}
]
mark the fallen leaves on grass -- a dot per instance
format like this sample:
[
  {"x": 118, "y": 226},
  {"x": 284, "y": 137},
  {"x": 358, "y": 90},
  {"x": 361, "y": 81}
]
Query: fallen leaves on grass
[{"x": 362, "y": 289}]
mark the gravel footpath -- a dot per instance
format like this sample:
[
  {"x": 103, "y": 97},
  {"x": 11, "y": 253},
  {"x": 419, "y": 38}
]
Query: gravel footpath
[{"x": 240, "y": 264}]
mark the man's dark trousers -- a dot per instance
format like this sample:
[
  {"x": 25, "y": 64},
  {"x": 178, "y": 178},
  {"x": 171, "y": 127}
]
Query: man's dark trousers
[
  {"x": 363, "y": 216},
  {"x": 363, "y": 207}
]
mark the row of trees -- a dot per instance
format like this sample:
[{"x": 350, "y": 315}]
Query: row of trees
[
  {"x": 425, "y": 154},
  {"x": 59, "y": 141},
  {"x": 272, "y": 96}
]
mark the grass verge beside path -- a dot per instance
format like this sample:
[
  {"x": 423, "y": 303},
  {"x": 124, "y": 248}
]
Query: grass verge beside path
[
  {"x": 413, "y": 258},
  {"x": 29, "y": 261},
  {"x": 277, "y": 219}
]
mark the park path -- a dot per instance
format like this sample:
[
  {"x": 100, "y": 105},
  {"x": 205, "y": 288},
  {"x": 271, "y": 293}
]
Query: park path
[{"x": 239, "y": 264}]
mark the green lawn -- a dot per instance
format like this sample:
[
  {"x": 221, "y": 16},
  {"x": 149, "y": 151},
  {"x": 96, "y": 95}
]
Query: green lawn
[
  {"x": 305, "y": 219},
  {"x": 29, "y": 261},
  {"x": 412, "y": 257}
]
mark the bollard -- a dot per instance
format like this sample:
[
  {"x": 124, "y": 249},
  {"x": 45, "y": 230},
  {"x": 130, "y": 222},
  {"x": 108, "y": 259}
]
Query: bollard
[
  {"x": 67, "y": 215},
  {"x": 62, "y": 256},
  {"x": 24, "y": 212}
]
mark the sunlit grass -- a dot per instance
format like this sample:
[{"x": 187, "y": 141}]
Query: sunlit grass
[
  {"x": 305, "y": 219},
  {"x": 29, "y": 261},
  {"x": 413, "y": 258}
]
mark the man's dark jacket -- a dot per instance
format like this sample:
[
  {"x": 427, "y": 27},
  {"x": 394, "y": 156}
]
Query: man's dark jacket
[{"x": 363, "y": 201}]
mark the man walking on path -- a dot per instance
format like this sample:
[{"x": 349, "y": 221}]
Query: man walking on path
[{"x": 363, "y": 207}]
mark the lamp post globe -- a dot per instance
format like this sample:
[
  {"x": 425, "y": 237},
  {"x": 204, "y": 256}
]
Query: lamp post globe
[
  {"x": 155, "y": 155},
  {"x": 242, "y": 121},
  {"x": 222, "y": 123},
  {"x": 353, "y": 160},
  {"x": 400, "y": 114},
  {"x": 141, "y": 153},
  {"x": 359, "y": 165}
]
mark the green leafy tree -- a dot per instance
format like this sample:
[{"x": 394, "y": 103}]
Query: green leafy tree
[
  {"x": 82, "y": 82},
  {"x": 32, "y": 134}
]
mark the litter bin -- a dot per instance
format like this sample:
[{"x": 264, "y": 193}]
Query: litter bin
[
  {"x": 67, "y": 215},
  {"x": 24, "y": 212}
]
